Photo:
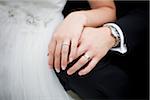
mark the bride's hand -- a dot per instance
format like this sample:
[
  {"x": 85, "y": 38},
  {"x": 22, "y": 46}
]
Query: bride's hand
[
  {"x": 65, "y": 40},
  {"x": 94, "y": 44}
]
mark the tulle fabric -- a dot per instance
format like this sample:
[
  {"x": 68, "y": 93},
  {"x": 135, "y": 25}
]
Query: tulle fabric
[{"x": 25, "y": 31}]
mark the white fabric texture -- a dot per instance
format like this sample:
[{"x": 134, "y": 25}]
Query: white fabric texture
[{"x": 26, "y": 27}]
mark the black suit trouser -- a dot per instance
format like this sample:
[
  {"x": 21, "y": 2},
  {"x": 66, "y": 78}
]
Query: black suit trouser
[{"x": 104, "y": 81}]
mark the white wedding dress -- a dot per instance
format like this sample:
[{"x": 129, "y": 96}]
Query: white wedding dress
[{"x": 26, "y": 27}]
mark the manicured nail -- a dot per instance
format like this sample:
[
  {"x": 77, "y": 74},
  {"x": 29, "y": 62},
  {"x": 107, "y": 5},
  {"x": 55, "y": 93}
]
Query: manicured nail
[
  {"x": 57, "y": 70},
  {"x": 69, "y": 73},
  {"x": 63, "y": 67},
  {"x": 80, "y": 74}
]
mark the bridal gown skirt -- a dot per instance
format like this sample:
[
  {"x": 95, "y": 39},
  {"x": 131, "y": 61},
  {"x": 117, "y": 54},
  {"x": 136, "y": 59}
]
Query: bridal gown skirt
[{"x": 24, "y": 72}]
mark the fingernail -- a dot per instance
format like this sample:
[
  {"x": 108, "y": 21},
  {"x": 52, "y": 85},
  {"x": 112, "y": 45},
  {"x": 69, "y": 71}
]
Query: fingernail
[
  {"x": 57, "y": 70},
  {"x": 80, "y": 74},
  {"x": 70, "y": 60},
  {"x": 63, "y": 67},
  {"x": 47, "y": 54},
  {"x": 69, "y": 72}
]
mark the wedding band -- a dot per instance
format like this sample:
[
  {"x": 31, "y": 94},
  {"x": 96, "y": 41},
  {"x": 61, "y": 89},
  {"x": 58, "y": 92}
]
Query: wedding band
[
  {"x": 80, "y": 65},
  {"x": 65, "y": 44},
  {"x": 87, "y": 57}
]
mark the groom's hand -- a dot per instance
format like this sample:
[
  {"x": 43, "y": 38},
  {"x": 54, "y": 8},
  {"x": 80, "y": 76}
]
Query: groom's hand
[{"x": 94, "y": 44}]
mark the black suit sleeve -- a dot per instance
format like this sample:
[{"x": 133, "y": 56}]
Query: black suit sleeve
[
  {"x": 133, "y": 19},
  {"x": 134, "y": 25}
]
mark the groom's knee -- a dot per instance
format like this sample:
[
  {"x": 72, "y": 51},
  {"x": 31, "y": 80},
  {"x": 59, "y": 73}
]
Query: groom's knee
[{"x": 105, "y": 81}]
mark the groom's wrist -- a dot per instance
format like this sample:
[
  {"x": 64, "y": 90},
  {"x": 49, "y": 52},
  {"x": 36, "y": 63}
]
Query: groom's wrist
[
  {"x": 114, "y": 34},
  {"x": 110, "y": 38}
]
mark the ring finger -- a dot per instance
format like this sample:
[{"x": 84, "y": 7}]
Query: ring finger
[
  {"x": 64, "y": 54},
  {"x": 73, "y": 50},
  {"x": 80, "y": 63}
]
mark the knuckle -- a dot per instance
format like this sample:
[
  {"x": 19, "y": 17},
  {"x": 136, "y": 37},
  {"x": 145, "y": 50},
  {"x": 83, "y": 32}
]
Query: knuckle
[
  {"x": 51, "y": 52},
  {"x": 57, "y": 37},
  {"x": 81, "y": 62},
  {"x": 71, "y": 55},
  {"x": 64, "y": 51},
  {"x": 63, "y": 60},
  {"x": 50, "y": 62},
  {"x": 56, "y": 64},
  {"x": 57, "y": 54},
  {"x": 64, "y": 63}
]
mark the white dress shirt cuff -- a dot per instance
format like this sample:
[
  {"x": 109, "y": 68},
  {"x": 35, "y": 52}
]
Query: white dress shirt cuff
[{"x": 122, "y": 46}]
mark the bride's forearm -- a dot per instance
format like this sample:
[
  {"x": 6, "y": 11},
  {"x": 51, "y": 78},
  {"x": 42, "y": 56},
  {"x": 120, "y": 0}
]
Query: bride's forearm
[
  {"x": 98, "y": 17},
  {"x": 101, "y": 12}
]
